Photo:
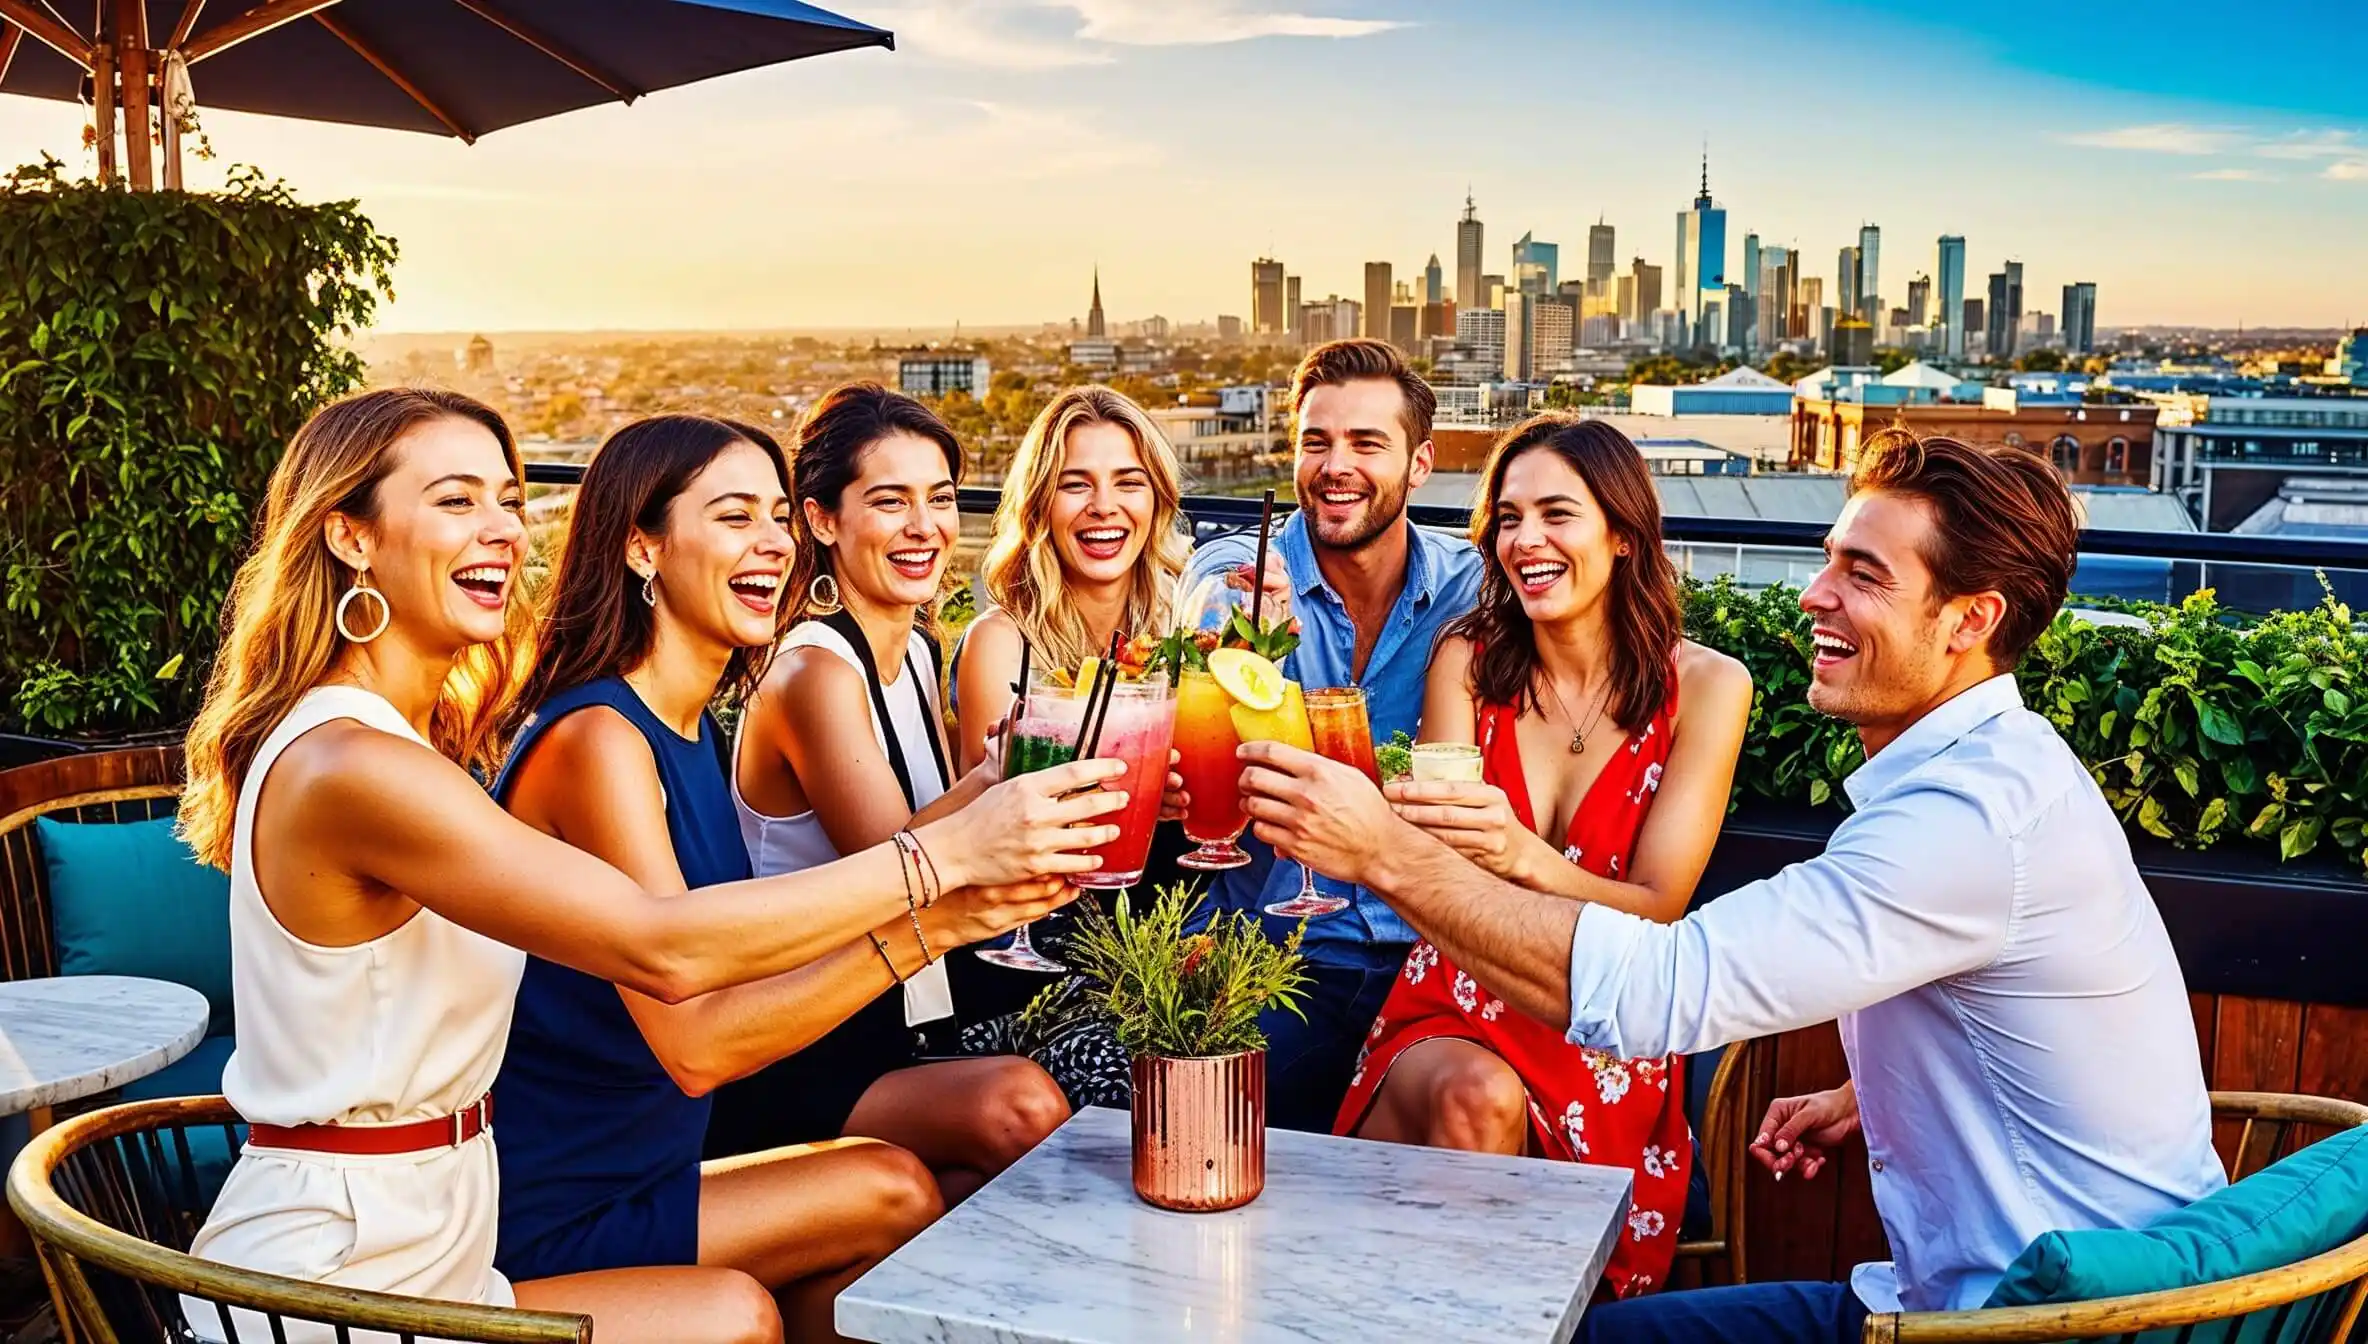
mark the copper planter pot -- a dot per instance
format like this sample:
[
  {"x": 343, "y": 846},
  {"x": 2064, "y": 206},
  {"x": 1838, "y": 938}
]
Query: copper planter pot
[{"x": 1200, "y": 1131}]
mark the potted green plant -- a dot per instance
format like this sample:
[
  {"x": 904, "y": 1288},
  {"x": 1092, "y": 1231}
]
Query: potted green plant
[{"x": 1186, "y": 1008}]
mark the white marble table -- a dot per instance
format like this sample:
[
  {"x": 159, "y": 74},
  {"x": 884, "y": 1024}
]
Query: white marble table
[
  {"x": 74, "y": 1035},
  {"x": 1351, "y": 1241}
]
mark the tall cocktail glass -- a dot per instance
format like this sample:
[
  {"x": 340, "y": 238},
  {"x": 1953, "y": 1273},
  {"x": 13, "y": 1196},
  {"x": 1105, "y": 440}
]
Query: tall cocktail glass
[
  {"x": 1138, "y": 728},
  {"x": 1288, "y": 724},
  {"x": 1205, "y": 747},
  {"x": 1047, "y": 734}
]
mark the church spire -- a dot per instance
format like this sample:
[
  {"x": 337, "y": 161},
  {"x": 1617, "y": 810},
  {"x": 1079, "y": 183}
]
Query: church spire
[{"x": 1094, "y": 328}]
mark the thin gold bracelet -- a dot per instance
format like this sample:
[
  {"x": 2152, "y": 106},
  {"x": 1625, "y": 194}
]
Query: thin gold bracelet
[{"x": 880, "y": 945}]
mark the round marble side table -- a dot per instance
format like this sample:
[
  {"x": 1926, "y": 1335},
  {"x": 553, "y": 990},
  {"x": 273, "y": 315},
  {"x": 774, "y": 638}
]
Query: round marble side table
[{"x": 66, "y": 1038}]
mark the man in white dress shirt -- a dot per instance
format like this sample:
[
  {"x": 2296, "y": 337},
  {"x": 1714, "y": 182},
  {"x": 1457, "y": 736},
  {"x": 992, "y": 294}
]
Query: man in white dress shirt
[{"x": 2021, "y": 1051}]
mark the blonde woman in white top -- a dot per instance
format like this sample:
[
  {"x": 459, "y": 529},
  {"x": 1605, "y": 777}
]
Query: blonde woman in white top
[{"x": 381, "y": 900}]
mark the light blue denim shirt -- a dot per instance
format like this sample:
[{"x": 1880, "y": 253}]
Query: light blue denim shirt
[
  {"x": 2014, "y": 1016},
  {"x": 1442, "y": 579}
]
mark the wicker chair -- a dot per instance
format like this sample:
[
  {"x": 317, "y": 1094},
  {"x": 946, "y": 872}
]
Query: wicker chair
[
  {"x": 2320, "y": 1299},
  {"x": 111, "y": 1205},
  {"x": 107, "y": 786},
  {"x": 1725, "y": 1131}
]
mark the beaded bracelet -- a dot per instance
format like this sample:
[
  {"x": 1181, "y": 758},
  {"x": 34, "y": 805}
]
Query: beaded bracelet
[
  {"x": 912, "y": 903},
  {"x": 931, "y": 886}
]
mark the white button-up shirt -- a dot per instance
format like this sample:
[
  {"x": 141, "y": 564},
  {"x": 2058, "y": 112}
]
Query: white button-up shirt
[{"x": 2014, "y": 1017}]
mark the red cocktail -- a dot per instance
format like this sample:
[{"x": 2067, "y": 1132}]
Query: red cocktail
[{"x": 1138, "y": 728}]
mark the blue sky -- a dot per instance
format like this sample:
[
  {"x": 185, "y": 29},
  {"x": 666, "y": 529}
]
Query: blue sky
[{"x": 2199, "y": 163}]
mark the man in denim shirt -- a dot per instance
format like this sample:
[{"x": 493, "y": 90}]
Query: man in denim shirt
[{"x": 1371, "y": 592}]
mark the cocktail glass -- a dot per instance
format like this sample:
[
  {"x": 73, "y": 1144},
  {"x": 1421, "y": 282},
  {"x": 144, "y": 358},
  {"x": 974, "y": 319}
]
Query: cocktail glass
[
  {"x": 1451, "y": 762},
  {"x": 1205, "y": 747},
  {"x": 1138, "y": 728},
  {"x": 1046, "y": 735},
  {"x": 1288, "y": 724}
]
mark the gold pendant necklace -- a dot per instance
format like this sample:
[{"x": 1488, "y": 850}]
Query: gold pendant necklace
[{"x": 1578, "y": 735}]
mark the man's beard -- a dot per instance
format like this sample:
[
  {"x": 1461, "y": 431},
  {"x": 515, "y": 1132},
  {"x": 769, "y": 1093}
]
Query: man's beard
[{"x": 1385, "y": 507}]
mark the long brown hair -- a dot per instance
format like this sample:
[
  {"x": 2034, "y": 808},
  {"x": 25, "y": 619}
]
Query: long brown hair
[
  {"x": 1646, "y": 622},
  {"x": 1023, "y": 574},
  {"x": 832, "y": 440},
  {"x": 594, "y": 622},
  {"x": 280, "y": 636}
]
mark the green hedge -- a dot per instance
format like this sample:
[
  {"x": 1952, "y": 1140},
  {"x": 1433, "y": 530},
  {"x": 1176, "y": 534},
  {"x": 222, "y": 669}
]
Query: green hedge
[
  {"x": 2197, "y": 729},
  {"x": 157, "y": 349}
]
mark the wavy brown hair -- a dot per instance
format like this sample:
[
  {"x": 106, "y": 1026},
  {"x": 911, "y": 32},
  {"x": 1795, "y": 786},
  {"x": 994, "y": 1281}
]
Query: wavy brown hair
[
  {"x": 838, "y": 430},
  {"x": 279, "y": 619},
  {"x": 1646, "y": 621},
  {"x": 594, "y": 622},
  {"x": 1023, "y": 573}
]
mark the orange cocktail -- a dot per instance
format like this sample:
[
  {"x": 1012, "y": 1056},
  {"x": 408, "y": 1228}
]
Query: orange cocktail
[
  {"x": 1205, "y": 745},
  {"x": 1336, "y": 720}
]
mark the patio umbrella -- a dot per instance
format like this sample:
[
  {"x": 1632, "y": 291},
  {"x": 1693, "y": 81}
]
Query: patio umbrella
[{"x": 445, "y": 67}]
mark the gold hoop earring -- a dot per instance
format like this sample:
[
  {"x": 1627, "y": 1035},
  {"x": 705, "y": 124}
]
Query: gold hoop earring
[
  {"x": 822, "y": 595},
  {"x": 649, "y": 589},
  {"x": 386, "y": 610}
]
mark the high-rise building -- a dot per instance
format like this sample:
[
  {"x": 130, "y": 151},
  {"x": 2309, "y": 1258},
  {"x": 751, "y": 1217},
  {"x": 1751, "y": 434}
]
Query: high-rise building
[
  {"x": 1433, "y": 290},
  {"x": 1438, "y": 319},
  {"x": 1602, "y": 256},
  {"x": 2080, "y": 317},
  {"x": 1229, "y": 328},
  {"x": 1405, "y": 326},
  {"x": 1846, "y": 280},
  {"x": 1919, "y": 308},
  {"x": 1492, "y": 290},
  {"x": 1539, "y": 331},
  {"x": 1293, "y": 318},
  {"x": 1741, "y": 322},
  {"x": 1537, "y": 267},
  {"x": 1809, "y": 309},
  {"x": 2005, "y": 310},
  {"x": 1377, "y": 300},
  {"x": 934, "y": 373},
  {"x": 1870, "y": 284},
  {"x": 1627, "y": 301},
  {"x": 1753, "y": 279},
  {"x": 1095, "y": 328},
  {"x": 1971, "y": 322},
  {"x": 1266, "y": 297},
  {"x": 1949, "y": 294},
  {"x": 1481, "y": 331},
  {"x": 1701, "y": 255},
  {"x": 1468, "y": 293},
  {"x": 1647, "y": 280}
]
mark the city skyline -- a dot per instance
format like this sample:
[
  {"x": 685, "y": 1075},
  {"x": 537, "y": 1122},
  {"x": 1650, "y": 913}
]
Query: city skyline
[{"x": 976, "y": 175}]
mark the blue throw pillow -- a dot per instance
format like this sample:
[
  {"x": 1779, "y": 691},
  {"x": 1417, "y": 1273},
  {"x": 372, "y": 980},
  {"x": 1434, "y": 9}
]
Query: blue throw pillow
[
  {"x": 2307, "y": 1204},
  {"x": 128, "y": 898}
]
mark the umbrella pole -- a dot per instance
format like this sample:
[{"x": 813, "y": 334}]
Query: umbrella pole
[
  {"x": 102, "y": 84},
  {"x": 131, "y": 40}
]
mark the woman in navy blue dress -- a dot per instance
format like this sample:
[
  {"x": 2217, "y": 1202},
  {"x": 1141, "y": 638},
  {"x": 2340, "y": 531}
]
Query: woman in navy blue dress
[{"x": 666, "y": 596}]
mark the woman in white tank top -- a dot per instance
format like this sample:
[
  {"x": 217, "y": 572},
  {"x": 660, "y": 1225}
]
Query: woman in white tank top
[
  {"x": 381, "y": 900},
  {"x": 844, "y": 745}
]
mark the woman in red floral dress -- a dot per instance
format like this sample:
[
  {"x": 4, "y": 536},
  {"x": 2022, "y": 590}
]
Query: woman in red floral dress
[{"x": 1600, "y": 725}]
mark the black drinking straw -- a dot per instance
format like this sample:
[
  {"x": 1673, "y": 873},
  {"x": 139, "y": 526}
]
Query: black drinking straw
[
  {"x": 1095, "y": 715},
  {"x": 1258, "y": 568},
  {"x": 1019, "y": 691}
]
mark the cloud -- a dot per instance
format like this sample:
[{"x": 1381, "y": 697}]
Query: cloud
[
  {"x": 2168, "y": 137},
  {"x": 1057, "y": 34},
  {"x": 2233, "y": 175},
  {"x": 2347, "y": 170},
  {"x": 2311, "y": 145}
]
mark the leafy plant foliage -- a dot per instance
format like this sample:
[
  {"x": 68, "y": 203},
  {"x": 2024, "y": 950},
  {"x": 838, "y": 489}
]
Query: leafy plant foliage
[
  {"x": 2198, "y": 729},
  {"x": 1186, "y": 995},
  {"x": 157, "y": 350}
]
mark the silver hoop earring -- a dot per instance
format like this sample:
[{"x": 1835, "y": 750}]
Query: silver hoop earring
[
  {"x": 822, "y": 595},
  {"x": 386, "y": 611},
  {"x": 649, "y": 589}
]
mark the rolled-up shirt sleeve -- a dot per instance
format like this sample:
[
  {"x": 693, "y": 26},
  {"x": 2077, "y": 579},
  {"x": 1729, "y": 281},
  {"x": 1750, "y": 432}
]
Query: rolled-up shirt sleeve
[{"x": 1918, "y": 887}]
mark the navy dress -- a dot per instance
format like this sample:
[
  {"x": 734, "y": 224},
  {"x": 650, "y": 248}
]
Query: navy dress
[{"x": 599, "y": 1146}]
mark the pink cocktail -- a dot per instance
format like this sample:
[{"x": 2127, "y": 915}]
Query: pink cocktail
[{"x": 1139, "y": 730}]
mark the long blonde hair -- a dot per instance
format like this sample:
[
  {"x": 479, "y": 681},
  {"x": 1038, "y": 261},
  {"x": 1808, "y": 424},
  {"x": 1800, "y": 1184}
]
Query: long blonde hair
[
  {"x": 1023, "y": 569},
  {"x": 279, "y": 620}
]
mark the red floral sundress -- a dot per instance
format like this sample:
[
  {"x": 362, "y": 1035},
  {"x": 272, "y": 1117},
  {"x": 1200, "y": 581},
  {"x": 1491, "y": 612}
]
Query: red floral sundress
[{"x": 1584, "y": 1105}]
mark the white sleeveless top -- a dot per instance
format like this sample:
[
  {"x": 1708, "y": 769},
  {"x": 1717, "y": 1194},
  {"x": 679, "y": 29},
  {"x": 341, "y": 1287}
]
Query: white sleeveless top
[
  {"x": 408, "y": 1026},
  {"x": 779, "y": 845}
]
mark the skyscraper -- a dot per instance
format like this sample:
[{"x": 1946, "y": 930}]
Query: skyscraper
[
  {"x": 1601, "y": 254},
  {"x": 1870, "y": 285},
  {"x": 1701, "y": 255},
  {"x": 1433, "y": 288},
  {"x": 1846, "y": 267},
  {"x": 2005, "y": 310},
  {"x": 1537, "y": 266},
  {"x": 2080, "y": 317},
  {"x": 1775, "y": 297},
  {"x": 1095, "y": 328},
  {"x": 1951, "y": 295},
  {"x": 1752, "y": 280},
  {"x": 1468, "y": 294},
  {"x": 1266, "y": 296},
  {"x": 1291, "y": 313},
  {"x": 1377, "y": 300},
  {"x": 1920, "y": 302},
  {"x": 1648, "y": 288}
]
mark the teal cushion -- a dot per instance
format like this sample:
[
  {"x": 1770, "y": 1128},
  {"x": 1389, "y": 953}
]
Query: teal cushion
[
  {"x": 128, "y": 898},
  {"x": 196, "y": 1074},
  {"x": 2309, "y": 1203}
]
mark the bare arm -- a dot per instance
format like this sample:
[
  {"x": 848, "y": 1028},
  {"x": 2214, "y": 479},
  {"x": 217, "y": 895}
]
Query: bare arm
[
  {"x": 819, "y": 727},
  {"x": 1714, "y": 698},
  {"x": 434, "y": 837},
  {"x": 990, "y": 663},
  {"x": 1448, "y": 714}
]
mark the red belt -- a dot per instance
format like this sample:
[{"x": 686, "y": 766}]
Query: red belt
[{"x": 418, "y": 1136}]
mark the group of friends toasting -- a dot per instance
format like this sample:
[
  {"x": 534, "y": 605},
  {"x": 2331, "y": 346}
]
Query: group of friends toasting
[{"x": 492, "y": 850}]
